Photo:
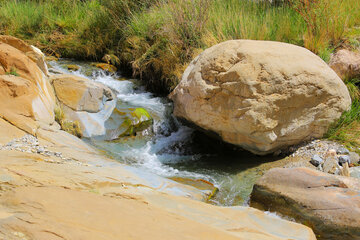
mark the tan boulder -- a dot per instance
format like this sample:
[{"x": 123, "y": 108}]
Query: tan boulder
[
  {"x": 81, "y": 94},
  {"x": 84, "y": 101},
  {"x": 329, "y": 204},
  {"x": 346, "y": 63},
  {"x": 260, "y": 95}
]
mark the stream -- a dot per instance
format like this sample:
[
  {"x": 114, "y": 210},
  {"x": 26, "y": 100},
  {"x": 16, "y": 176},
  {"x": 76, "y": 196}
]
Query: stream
[{"x": 171, "y": 149}]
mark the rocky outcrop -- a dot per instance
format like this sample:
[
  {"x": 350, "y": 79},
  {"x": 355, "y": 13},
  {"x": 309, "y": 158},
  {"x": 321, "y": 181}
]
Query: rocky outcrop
[
  {"x": 27, "y": 98},
  {"x": 346, "y": 63},
  {"x": 87, "y": 102},
  {"x": 32, "y": 52},
  {"x": 260, "y": 95},
  {"x": 329, "y": 204},
  {"x": 126, "y": 199}
]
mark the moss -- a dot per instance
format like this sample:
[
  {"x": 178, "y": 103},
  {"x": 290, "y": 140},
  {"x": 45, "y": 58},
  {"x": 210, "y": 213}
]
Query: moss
[
  {"x": 13, "y": 72},
  {"x": 72, "y": 127}
]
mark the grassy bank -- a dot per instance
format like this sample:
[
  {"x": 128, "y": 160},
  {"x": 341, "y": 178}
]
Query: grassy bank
[{"x": 156, "y": 39}]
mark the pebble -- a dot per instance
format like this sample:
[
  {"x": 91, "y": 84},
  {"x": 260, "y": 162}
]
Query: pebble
[
  {"x": 344, "y": 159},
  {"x": 316, "y": 160},
  {"x": 342, "y": 151},
  {"x": 30, "y": 144}
]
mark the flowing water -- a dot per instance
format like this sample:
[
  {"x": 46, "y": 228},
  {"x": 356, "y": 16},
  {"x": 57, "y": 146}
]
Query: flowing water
[{"x": 172, "y": 149}]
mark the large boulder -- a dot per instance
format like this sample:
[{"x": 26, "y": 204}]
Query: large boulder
[
  {"x": 84, "y": 101},
  {"x": 346, "y": 63},
  {"x": 26, "y": 97},
  {"x": 260, "y": 95},
  {"x": 329, "y": 204}
]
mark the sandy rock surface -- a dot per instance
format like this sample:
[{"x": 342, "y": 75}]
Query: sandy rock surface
[
  {"x": 260, "y": 95},
  {"x": 86, "y": 196}
]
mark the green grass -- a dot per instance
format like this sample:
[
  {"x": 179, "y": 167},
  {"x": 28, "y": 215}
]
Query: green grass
[
  {"x": 156, "y": 39},
  {"x": 347, "y": 129}
]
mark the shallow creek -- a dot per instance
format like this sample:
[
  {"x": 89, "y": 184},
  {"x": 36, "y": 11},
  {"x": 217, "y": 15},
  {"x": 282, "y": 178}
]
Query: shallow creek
[{"x": 173, "y": 150}]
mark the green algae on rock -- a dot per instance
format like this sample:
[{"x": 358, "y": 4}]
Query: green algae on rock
[{"x": 127, "y": 122}]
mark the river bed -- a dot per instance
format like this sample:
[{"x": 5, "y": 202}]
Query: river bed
[{"x": 172, "y": 149}]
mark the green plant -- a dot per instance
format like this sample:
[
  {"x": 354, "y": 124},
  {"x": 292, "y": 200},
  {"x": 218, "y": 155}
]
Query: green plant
[
  {"x": 72, "y": 127},
  {"x": 13, "y": 72},
  {"x": 347, "y": 129}
]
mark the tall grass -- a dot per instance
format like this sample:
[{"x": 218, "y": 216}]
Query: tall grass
[
  {"x": 158, "y": 38},
  {"x": 71, "y": 28}
]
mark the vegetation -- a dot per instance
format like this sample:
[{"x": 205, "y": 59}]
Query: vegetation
[
  {"x": 347, "y": 129},
  {"x": 156, "y": 39},
  {"x": 13, "y": 72},
  {"x": 72, "y": 127}
]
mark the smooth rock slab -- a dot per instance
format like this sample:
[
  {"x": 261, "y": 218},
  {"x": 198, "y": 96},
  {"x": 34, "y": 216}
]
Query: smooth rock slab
[
  {"x": 329, "y": 204},
  {"x": 260, "y": 95}
]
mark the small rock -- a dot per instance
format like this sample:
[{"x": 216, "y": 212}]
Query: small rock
[
  {"x": 330, "y": 153},
  {"x": 73, "y": 67},
  {"x": 355, "y": 172},
  {"x": 342, "y": 151},
  {"x": 331, "y": 165},
  {"x": 354, "y": 158},
  {"x": 344, "y": 159},
  {"x": 316, "y": 160}
]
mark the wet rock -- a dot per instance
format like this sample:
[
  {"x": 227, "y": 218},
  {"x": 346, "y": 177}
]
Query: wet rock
[
  {"x": 329, "y": 204},
  {"x": 316, "y": 161},
  {"x": 72, "y": 67},
  {"x": 106, "y": 67},
  {"x": 127, "y": 122},
  {"x": 85, "y": 103}
]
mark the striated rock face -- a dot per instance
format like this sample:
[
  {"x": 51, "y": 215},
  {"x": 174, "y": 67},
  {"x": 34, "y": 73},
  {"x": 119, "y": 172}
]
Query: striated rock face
[
  {"x": 46, "y": 197},
  {"x": 88, "y": 102},
  {"x": 26, "y": 96},
  {"x": 30, "y": 51},
  {"x": 346, "y": 63},
  {"x": 329, "y": 204},
  {"x": 260, "y": 95}
]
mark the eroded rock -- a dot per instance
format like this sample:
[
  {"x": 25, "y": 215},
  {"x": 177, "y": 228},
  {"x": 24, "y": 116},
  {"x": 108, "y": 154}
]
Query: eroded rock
[
  {"x": 84, "y": 101},
  {"x": 260, "y": 95}
]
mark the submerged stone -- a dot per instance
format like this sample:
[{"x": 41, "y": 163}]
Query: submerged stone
[
  {"x": 106, "y": 67},
  {"x": 73, "y": 67}
]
